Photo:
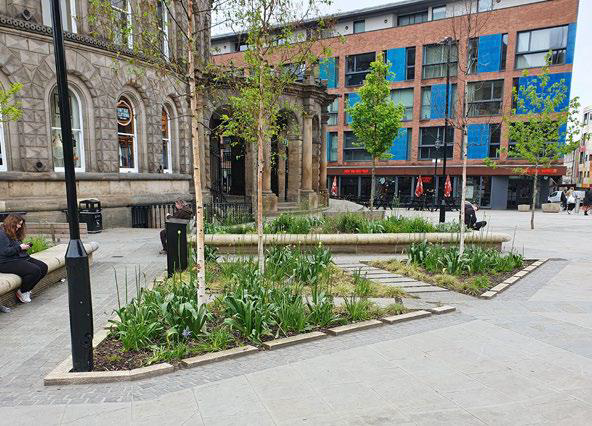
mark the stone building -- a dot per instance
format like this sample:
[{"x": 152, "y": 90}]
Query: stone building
[{"x": 130, "y": 121}]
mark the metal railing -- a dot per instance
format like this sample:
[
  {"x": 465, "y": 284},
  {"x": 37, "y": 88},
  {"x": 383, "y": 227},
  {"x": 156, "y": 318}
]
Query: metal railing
[{"x": 154, "y": 215}]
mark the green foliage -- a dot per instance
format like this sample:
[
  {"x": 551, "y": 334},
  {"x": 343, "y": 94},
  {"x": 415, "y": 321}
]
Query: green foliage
[
  {"x": 37, "y": 244},
  {"x": 290, "y": 224},
  {"x": 362, "y": 285},
  {"x": 10, "y": 109},
  {"x": 211, "y": 253}
]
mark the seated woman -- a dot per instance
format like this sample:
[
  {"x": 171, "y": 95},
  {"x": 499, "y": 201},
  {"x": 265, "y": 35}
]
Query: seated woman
[{"x": 14, "y": 258}]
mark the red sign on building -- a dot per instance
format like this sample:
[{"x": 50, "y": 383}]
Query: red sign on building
[{"x": 356, "y": 172}]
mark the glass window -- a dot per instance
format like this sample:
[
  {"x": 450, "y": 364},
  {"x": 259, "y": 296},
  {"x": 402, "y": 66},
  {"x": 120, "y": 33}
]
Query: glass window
[
  {"x": 410, "y": 63},
  {"x": 484, "y": 5},
  {"x": 352, "y": 151},
  {"x": 123, "y": 12},
  {"x": 534, "y": 45},
  {"x": 434, "y": 60},
  {"x": 494, "y": 140},
  {"x": 296, "y": 72},
  {"x": 332, "y": 147},
  {"x": 438, "y": 13},
  {"x": 163, "y": 28},
  {"x": 357, "y": 67},
  {"x": 426, "y": 103},
  {"x": 167, "y": 159},
  {"x": 412, "y": 18},
  {"x": 431, "y": 142},
  {"x": 333, "y": 111},
  {"x": 359, "y": 26},
  {"x": 68, "y": 9},
  {"x": 504, "y": 52},
  {"x": 405, "y": 98},
  {"x": 127, "y": 136},
  {"x": 485, "y": 97},
  {"x": 473, "y": 55},
  {"x": 77, "y": 132}
]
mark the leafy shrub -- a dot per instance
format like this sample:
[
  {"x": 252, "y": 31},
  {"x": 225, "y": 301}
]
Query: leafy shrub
[
  {"x": 362, "y": 285},
  {"x": 291, "y": 313},
  {"x": 249, "y": 316},
  {"x": 137, "y": 325},
  {"x": 320, "y": 307},
  {"x": 289, "y": 224},
  {"x": 357, "y": 308},
  {"x": 37, "y": 244},
  {"x": 211, "y": 253}
]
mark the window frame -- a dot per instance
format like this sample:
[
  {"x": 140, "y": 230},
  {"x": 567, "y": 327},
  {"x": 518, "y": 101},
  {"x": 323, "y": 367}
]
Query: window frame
[
  {"x": 504, "y": 52},
  {"x": 358, "y": 22},
  {"x": 333, "y": 119},
  {"x": 449, "y": 145},
  {"x": 473, "y": 55},
  {"x": 331, "y": 144},
  {"x": 471, "y": 104},
  {"x": 495, "y": 129},
  {"x": 163, "y": 28},
  {"x": 169, "y": 141},
  {"x": 488, "y": 8},
  {"x": 439, "y": 7},
  {"x": 453, "y": 65},
  {"x": 134, "y": 169},
  {"x": 427, "y": 106},
  {"x": 408, "y": 109},
  {"x": 69, "y": 17},
  {"x": 353, "y": 149},
  {"x": 556, "y": 51},
  {"x": 423, "y": 14},
  {"x": 409, "y": 67},
  {"x": 128, "y": 12},
  {"x": 80, "y": 131},
  {"x": 357, "y": 73}
]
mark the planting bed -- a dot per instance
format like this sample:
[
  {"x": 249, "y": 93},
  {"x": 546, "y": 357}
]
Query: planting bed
[{"x": 474, "y": 273}]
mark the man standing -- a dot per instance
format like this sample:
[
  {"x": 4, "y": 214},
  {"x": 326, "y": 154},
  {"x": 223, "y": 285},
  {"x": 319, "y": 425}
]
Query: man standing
[{"x": 183, "y": 211}]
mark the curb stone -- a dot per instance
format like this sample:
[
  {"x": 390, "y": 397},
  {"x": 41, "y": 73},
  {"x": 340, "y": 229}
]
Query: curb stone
[
  {"x": 406, "y": 317},
  {"x": 348, "y": 328},
  {"x": 508, "y": 282},
  {"x": 218, "y": 356},
  {"x": 292, "y": 340}
]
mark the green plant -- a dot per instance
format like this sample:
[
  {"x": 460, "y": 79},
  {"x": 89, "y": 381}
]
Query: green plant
[
  {"x": 291, "y": 313},
  {"x": 37, "y": 244},
  {"x": 211, "y": 253},
  {"x": 168, "y": 353},
  {"x": 418, "y": 252},
  {"x": 218, "y": 339},
  {"x": 250, "y": 317},
  {"x": 362, "y": 285},
  {"x": 356, "y": 308},
  {"x": 137, "y": 326},
  {"x": 320, "y": 307}
]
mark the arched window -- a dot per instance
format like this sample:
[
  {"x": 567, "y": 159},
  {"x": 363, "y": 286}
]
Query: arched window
[
  {"x": 127, "y": 136},
  {"x": 167, "y": 157},
  {"x": 77, "y": 132}
]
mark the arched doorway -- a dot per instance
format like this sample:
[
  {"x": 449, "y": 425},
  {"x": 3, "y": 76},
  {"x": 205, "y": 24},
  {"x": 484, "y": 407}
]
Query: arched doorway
[{"x": 227, "y": 160}]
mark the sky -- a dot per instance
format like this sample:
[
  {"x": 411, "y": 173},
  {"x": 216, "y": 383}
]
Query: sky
[{"x": 581, "y": 86}]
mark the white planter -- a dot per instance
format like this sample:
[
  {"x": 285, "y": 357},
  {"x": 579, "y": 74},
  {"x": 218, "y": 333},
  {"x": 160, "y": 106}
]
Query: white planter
[
  {"x": 551, "y": 208},
  {"x": 523, "y": 207}
]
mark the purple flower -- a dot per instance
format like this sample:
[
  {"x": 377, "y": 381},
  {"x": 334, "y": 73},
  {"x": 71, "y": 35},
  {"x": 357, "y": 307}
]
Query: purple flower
[{"x": 186, "y": 333}]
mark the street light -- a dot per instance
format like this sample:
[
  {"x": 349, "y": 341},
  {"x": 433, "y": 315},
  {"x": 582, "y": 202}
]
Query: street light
[
  {"x": 448, "y": 43},
  {"x": 438, "y": 145},
  {"x": 79, "y": 295}
]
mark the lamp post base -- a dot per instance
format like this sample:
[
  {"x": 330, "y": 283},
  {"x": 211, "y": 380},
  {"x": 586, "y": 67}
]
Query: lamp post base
[{"x": 442, "y": 211}]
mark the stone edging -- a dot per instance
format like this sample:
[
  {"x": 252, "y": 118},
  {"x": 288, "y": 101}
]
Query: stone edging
[
  {"x": 494, "y": 291},
  {"x": 61, "y": 375}
]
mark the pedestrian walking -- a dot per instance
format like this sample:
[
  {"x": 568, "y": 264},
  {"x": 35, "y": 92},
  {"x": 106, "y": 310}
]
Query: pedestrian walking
[
  {"x": 563, "y": 200},
  {"x": 571, "y": 201},
  {"x": 183, "y": 212},
  {"x": 587, "y": 205},
  {"x": 14, "y": 258}
]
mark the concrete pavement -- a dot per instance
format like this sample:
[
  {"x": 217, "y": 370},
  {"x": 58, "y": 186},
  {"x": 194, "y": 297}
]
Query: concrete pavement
[{"x": 524, "y": 357}]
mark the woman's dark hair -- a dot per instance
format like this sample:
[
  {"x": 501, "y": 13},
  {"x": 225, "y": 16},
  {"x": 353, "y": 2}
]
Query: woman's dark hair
[{"x": 10, "y": 227}]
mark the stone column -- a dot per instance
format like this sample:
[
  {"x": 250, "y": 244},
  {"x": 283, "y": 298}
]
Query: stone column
[
  {"x": 307, "y": 196},
  {"x": 282, "y": 172},
  {"x": 324, "y": 194},
  {"x": 270, "y": 200},
  {"x": 294, "y": 168}
]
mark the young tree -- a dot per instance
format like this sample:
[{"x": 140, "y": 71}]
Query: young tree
[
  {"x": 279, "y": 44},
  {"x": 140, "y": 38},
  {"x": 543, "y": 127},
  {"x": 375, "y": 118}
]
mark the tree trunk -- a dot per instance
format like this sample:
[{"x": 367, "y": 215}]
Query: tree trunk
[
  {"x": 372, "y": 184},
  {"x": 463, "y": 192},
  {"x": 260, "y": 141},
  {"x": 196, "y": 106},
  {"x": 534, "y": 194}
]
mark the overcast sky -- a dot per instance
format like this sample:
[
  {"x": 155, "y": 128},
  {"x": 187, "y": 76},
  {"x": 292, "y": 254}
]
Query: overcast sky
[{"x": 583, "y": 57}]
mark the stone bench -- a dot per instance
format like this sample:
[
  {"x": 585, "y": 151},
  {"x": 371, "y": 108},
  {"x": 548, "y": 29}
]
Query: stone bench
[
  {"x": 54, "y": 231},
  {"x": 551, "y": 207},
  {"x": 349, "y": 243},
  {"x": 54, "y": 257}
]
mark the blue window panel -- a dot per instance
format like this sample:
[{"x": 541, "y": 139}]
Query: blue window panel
[
  {"x": 398, "y": 60},
  {"x": 490, "y": 53},
  {"x": 328, "y": 72},
  {"x": 328, "y": 143},
  {"x": 571, "y": 43},
  {"x": 477, "y": 141},
  {"x": 438, "y": 102},
  {"x": 562, "y": 133},
  {"x": 399, "y": 147},
  {"x": 534, "y": 80},
  {"x": 352, "y": 99}
]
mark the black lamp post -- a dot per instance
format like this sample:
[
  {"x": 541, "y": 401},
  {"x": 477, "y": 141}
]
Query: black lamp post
[
  {"x": 77, "y": 268},
  {"x": 436, "y": 193},
  {"x": 448, "y": 42}
]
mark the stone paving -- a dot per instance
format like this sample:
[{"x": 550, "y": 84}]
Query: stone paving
[{"x": 524, "y": 357}]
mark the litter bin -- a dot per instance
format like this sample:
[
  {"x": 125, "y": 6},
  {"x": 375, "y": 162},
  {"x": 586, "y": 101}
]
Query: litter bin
[{"x": 89, "y": 212}]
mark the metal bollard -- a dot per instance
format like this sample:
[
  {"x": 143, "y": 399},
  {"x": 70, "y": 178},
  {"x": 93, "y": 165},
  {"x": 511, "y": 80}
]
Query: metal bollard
[
  {"x": 177, "y": 252},
  {"x": 577, "y": 205}
]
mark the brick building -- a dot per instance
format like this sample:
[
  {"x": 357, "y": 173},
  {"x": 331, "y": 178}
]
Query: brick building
[
  {"x": 579, "y": 162},
  {"x": 507, "y": 38}
]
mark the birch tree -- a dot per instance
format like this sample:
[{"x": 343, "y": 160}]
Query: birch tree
[
  {"x": 279, "y": 46},
  {"x": 376, "y": 119}
]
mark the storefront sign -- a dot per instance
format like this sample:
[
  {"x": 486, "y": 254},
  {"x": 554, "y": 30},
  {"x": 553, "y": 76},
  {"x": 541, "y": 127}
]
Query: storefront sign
[
  {"x": 356, "y": 172},
  {"x": 124, "y": 115},
  {"x": 531, "y": 171},
  {"x": 426, "y": 179}
]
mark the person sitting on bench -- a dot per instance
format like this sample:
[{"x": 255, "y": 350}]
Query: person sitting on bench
[
  {"x": 183, "y": 211},
  {"x": 471, "y": 217}
]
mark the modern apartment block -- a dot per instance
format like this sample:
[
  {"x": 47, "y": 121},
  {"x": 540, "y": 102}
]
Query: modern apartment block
[
  {"x": 507, "y": 38},
  {"x": 579, "y": 162}
]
